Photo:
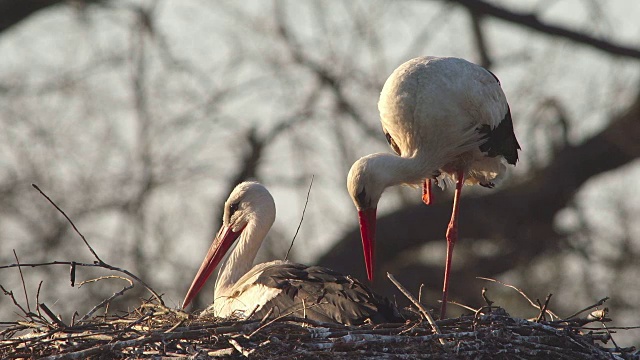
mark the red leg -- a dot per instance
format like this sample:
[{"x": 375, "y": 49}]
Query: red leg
[
  {"x": 427, "y": 196},
  {"x": 452, "y": 237}
]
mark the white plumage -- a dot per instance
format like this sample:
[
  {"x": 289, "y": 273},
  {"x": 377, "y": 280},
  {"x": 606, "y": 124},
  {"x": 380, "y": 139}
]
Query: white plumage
[{"x": 444, "y": 117}]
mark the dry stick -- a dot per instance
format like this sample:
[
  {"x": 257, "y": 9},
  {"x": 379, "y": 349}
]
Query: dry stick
[
  {"x": 99, "y": 261},
  {"x": 15, "y": 302},
  {"x": 543, "y": 308},
  {"x": 462, "y": 305},
  {"x": 263, "y": 325},
  {"x": 24, "y": 286},
  {"x": 255, "y": 308},
  {"x": 38, "y": 298},
  {"x": 52, "y": 316},
  {"x": 301, "y": 218},
  {"x": 266, "y": 316},
  {"x": 110, "y": 298},
  {"x": 610, "y": 336},
  {"x": 599, "y": 303},
  {"x": 486, "y": 299},
  {"x": 423, "y": 311},
  {"x": 95, "y": 264},
  {"x": 240, "y": 348},
  {"x": 521, "y": 293},
  {"x": 70, "y": 222}
]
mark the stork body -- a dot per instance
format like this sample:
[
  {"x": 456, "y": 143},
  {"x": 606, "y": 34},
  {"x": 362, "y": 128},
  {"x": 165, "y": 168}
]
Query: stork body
[
  {"x": 278, "y": 287},
  {"x": 445, "y": 118}
]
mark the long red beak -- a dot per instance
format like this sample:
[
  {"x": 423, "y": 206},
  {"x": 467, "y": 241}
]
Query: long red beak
[
  {"x": 367, "y": 218},
  {"x": 221, "y": 244}
]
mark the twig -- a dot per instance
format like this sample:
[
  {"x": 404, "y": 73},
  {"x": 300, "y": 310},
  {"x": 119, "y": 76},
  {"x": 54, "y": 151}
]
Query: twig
[
  {"x": 95, "y": 264},
  {"x": 599, "y": 303},
  {"x": 462, "y": 305},
  {"x": 266, "y": 316},
  {"x": 99, "y": 261},
  {"x": 240, "y": 348},
  {"x": 255, "y": 308},
  {"x": 301, "y": 218},
  {"x": 107, "y": 300},
  {"x": 415, "y": 301},
  {"x": 543, "y": 308},
  {"x": 38, "y": 298},
  {"x": 70, "y": 222},
  {"x": 52, "y": 316},
  {"x": 486, "y": 299},
  {"x": 610, "y": 337},
  {"x": 24, "y": 286},
  {"x": 177, "y": 325},
  {"x": 15, "y": 302},
  {"x": 263, "y": 325},
  {"x": 521, "y": 293}
]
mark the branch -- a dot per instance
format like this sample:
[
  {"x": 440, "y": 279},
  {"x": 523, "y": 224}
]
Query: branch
[
  {"x": 110, "y": 298},
  {"x": 70, "y": 222},
  {"x": 532, "y": 21},
  {"x": 99, "y": 261},
  {"x": 13, "y": 12},
  {"x": 415, "y": 302}
]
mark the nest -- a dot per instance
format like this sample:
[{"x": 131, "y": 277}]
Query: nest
[{"x": 155, "y": 331}]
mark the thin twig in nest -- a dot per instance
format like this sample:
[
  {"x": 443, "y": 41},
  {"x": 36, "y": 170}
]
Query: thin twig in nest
[
  {"x": 38, "y": 298},
  {"x": 301, "y": 218},
  {"x": 421, "y": 308},
  {"x": 15, "y": 302},
  {"x": 70, "y": 222},
  {"x": 543, "y": 308},
  {"x": 110, "y": 298},
  {"x": 599, "y": 303},
  {"x": 24, "y": 286},
  {"x": 99, "y": 261},
  {"x": 521, "y": 293},
  {"x": 486, "y": 298},
  {"x": 462, "y": 305},
  {"x": 52, "y": 316}
]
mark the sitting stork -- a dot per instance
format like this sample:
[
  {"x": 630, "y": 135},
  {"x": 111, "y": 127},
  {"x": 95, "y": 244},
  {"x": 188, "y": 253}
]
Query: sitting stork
[
  {"x": 442, "y": 116},
  {"x": 311, "y": 292}
]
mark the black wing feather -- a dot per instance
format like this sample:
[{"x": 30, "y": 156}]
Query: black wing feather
[
  {"x": 321, "y": 294},
  {"x": 501, "y": 140}
]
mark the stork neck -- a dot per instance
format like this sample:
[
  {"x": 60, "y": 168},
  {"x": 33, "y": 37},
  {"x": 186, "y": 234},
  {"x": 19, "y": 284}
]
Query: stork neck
[
  {"x": 395, "y": 170},
  {"x": 240, "y": 261}
]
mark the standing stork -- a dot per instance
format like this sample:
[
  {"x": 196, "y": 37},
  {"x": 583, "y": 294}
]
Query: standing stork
[
  {"x": 442, "y": 116},
  {"x": 311, "y": 292}
]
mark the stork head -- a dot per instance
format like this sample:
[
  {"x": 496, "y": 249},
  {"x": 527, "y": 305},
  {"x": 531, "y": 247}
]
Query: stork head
[
  {"x": 366, "y": 183},
  {"x": 249, "y": 204}
]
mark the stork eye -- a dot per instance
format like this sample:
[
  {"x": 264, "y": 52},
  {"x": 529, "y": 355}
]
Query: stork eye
[
  {"x": 362, "y": 199},
  {"x": 233, "y": 208},
  {"x": 392, "y": 143}
]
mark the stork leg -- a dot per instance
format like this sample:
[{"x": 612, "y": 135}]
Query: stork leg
[
  {"x": 452, "y": 237},
  {"x": 427, "y": 196}
]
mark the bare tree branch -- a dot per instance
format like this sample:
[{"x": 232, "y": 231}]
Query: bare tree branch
[{"x": 532, "y": 21}]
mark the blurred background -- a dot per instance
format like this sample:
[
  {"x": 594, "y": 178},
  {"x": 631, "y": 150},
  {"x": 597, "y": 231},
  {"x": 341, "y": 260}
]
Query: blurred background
[{"x": 139, "y": 117}]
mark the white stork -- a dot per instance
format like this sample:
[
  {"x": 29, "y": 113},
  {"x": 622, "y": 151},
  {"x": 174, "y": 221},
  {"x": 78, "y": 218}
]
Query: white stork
[
  {"x": 242, "y": 289},
  {"x": 442, "y": 116}
]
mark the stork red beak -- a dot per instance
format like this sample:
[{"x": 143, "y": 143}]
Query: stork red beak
[
  {"x": 221, "y": 244},
  {"x": 367, "y": 218}
]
